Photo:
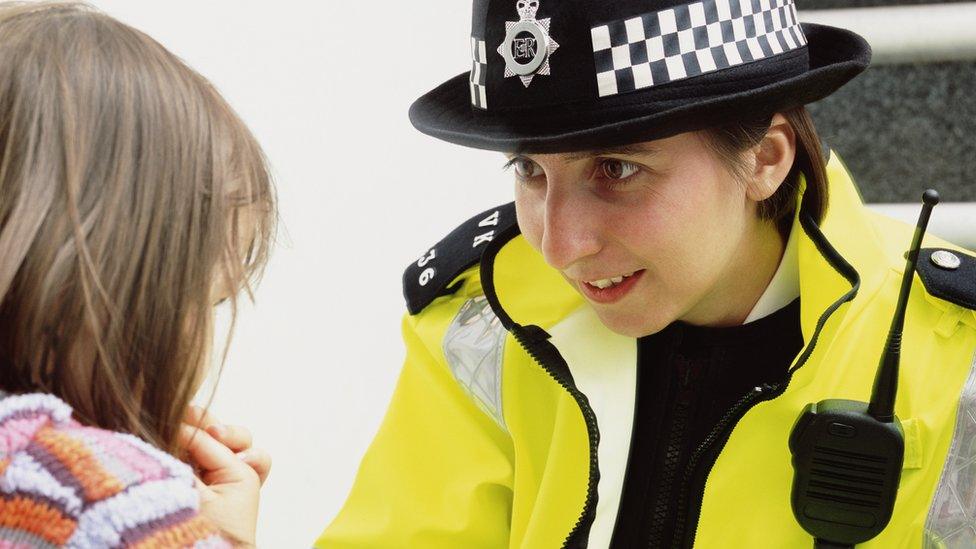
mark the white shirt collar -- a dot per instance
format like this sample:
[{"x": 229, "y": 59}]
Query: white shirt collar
[{"x": 785, "y": 285}]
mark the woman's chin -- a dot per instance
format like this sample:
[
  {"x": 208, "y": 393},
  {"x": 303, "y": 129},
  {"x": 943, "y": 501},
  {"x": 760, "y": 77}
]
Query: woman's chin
[{"x": 631, "y": 324}]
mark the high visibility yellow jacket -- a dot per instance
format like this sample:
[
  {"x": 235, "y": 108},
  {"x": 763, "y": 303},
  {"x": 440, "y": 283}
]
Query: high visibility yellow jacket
[{"x": 490, "y": 442}]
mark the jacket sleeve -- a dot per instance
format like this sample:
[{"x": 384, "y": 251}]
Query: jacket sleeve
[{"x": 437, "y": 475}]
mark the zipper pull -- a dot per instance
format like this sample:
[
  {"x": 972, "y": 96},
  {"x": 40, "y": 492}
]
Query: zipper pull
[{"x": 765, "y": 391}]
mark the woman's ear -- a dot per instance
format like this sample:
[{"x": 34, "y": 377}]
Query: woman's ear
[{"x": 774, "y": 159}]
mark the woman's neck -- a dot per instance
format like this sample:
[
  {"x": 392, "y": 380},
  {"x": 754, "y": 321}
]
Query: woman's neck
[{"x": 744, "y": 280}]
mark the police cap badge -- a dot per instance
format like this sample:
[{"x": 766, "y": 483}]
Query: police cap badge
[{"x": 527, "y": 45}]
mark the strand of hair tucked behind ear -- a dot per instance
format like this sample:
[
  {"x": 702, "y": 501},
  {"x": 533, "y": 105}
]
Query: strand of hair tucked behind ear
[{"x": 729, "y": 142}]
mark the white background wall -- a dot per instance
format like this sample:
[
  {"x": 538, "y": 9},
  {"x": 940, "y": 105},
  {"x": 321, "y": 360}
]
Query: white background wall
[{"x": 325, "y": 86}]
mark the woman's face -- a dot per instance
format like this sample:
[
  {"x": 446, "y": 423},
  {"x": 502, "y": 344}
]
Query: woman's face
[{"x": 647, "y": 234}]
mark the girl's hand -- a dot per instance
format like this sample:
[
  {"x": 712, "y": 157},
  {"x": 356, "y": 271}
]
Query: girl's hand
[
  {"x": 229, "y": 484},
  {"x": 238, "y": 439}
]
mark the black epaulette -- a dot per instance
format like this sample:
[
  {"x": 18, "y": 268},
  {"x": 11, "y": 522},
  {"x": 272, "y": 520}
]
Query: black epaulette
[
  {"x": 949, "y": 275},
  {"x": 430, "y": 277}
]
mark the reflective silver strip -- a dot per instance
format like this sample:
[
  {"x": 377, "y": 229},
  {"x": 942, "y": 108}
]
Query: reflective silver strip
[
  {"x": 952, "y": 518},
  {"x": 474, "y": 347}
]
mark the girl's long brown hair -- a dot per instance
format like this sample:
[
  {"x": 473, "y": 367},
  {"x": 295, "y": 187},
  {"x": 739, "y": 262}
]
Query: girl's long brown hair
[{"x": 129, "y": 191}]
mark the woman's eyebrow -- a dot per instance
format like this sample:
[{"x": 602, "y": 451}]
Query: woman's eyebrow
[{"x": 625, "y": 150}]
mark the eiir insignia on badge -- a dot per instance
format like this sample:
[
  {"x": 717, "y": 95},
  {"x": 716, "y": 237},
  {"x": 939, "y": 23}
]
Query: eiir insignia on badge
[{"x": 527, "y": 45}]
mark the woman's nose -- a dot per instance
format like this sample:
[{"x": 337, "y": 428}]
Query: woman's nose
[{"x": 569, "y": 233}]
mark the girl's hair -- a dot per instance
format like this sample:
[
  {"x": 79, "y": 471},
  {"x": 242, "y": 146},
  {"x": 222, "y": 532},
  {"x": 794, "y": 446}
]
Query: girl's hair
[
  {"x": 129, "y": 191},
  {"x": 729, "y": 142}
]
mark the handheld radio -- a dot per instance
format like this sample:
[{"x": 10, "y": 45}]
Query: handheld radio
[{"x": 847, "y": 455}]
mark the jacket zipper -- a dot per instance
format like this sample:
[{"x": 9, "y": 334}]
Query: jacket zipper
[
  {"x": 718, "y": 434},
  {"x": 676, "y": 434},
  {"x": 528, "y": 337},
  {"x": 525, "y": 335}
]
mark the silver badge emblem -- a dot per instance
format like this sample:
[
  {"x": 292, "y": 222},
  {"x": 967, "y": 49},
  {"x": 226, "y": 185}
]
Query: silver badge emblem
[{"x": 527, "y": 45}]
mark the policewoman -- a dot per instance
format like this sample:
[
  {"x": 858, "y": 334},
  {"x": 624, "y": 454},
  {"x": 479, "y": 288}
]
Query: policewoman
[{"x": 619, "y": 358}]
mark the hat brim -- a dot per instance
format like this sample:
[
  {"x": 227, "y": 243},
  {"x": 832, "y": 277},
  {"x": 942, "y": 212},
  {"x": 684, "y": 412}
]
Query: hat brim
[{"x": 836, "y": 56}]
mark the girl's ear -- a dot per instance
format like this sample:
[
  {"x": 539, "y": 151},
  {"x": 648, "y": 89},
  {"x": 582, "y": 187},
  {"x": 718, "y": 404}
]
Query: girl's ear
[{"x": 773, "y": 159}]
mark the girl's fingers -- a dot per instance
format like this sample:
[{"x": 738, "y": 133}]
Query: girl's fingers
[
  {"x": 198, "y": 417},
  {"x": 235, "y": 437},
  {"x": 217, "y": 463},
  {"x": 259, "y": 460}
]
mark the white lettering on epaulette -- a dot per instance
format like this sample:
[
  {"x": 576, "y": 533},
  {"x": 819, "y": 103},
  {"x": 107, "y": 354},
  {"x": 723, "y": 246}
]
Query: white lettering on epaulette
[
  {"x": 482, "y": 238},
  {"x": 427, "y": 257},
  {"x": 490, "y": 221},
  {"x": 428, "y": 274}
]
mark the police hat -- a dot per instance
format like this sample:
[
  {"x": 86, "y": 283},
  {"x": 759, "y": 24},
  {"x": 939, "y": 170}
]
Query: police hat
[{"x": 569, "y": 75}]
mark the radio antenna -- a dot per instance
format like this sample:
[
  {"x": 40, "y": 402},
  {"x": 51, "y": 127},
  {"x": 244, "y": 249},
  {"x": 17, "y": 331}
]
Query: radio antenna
[{"x": 882, "y": 406}]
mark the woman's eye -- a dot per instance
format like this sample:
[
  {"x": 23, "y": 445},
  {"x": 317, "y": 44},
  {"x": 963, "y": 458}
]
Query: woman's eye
[
  {"x": 526, "y": 169},
  {"x": 618, "y": 169}
]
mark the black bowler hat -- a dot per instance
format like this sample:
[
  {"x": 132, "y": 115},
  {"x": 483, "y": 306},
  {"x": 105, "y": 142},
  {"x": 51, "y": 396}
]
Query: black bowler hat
[{"x": 570, "y": 75}]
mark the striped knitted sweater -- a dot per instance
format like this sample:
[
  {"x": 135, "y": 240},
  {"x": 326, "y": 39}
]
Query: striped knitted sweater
[{"x": 66, "y": 485}]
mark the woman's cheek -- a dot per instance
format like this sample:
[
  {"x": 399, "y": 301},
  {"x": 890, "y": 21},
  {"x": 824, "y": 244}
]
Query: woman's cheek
[
  {"x": 659, "y": 225},
  {"x": 528, "y": 221}
]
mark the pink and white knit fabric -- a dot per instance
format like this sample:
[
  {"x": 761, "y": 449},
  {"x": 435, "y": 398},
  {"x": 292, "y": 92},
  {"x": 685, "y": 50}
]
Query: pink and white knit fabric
[{"x": 66, "y": 485}]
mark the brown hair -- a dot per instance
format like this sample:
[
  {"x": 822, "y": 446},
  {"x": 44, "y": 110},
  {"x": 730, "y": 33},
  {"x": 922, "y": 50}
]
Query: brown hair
[
  {"x": 729, "y": 142},
  {"x": 129, "y": 190}
]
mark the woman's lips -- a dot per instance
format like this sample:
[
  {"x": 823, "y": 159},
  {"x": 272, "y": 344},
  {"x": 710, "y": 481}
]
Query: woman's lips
[{"x": 613, "y": 293}]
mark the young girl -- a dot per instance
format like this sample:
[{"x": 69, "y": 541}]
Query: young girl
[{"x": 132, "y": 201}]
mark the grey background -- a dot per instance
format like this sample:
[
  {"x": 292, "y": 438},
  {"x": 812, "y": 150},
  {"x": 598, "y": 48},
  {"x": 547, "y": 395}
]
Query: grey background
[{"x": 904, "y": 128}]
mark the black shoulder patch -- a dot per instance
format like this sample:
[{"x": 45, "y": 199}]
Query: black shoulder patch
[
  {"x": 948, "y": 275},
  {"x": 428, "y": 278}
]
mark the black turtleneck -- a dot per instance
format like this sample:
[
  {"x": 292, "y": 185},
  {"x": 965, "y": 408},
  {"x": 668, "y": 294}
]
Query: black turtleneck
[{"x": 688, "y": 377}]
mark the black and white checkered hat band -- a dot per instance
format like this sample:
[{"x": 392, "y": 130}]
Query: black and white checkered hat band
[
  {"x": 690, "y": 40},
  {"x": 479, "y": 68}
]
